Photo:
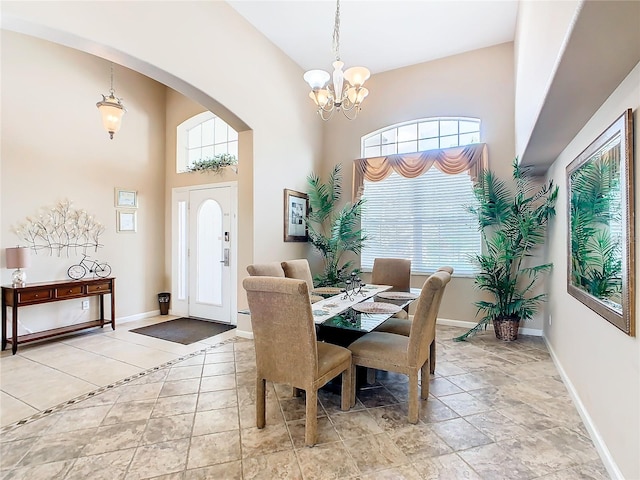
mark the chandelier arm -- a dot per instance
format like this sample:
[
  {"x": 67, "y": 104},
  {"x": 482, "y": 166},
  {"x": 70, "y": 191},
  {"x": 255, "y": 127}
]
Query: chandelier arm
[
  {"x": 348, "y": 105},
  {"x": 354, "y": 110},
  {"x": 330, "y": 106},
  {"x": 326, "y": 115}
]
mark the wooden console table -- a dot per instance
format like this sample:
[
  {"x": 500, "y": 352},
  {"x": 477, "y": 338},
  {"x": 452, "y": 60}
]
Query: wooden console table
[{"x": 36, "y": 293}]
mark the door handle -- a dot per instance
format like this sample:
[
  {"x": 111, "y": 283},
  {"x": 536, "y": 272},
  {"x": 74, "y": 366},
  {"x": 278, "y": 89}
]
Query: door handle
[{"x": 225, "y": 257}]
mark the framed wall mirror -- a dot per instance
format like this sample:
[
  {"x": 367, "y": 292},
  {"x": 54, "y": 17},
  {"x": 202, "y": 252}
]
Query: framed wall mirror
[{"x": 601, "y": 253}]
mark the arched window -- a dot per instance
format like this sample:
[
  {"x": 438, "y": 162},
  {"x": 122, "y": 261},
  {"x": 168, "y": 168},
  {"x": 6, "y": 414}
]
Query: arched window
[
  {"x": 203, "y": 136},
  {"x": 423, "y": 218}
]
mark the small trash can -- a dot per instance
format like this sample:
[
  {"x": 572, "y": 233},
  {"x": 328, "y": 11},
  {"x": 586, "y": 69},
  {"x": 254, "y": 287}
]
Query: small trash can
[{"x": 163, "y": 300}]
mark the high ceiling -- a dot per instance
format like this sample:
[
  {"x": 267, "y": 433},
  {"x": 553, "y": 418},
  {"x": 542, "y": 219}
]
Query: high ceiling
[{"x": 380, "y": 35}]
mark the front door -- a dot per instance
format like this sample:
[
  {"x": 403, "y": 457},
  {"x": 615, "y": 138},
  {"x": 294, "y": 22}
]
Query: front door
[{"x": 209, "y": 254}]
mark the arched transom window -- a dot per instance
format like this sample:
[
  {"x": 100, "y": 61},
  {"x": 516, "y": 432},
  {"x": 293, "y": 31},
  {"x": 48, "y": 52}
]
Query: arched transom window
[{"x": 203, "y": 136}]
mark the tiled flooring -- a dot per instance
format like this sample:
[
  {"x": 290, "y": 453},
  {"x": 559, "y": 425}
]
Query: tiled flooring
[{"x": 496, "y": 411}]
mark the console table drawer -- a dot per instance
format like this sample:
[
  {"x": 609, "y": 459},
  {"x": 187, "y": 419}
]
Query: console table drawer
[
  {"x": 99, "y": 288},
  {"x": 69, "y": 291},
  {"x": 35, "y": 296}
]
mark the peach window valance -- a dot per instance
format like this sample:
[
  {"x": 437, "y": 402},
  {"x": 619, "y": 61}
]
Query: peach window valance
[{"x": 471, "y": 158}]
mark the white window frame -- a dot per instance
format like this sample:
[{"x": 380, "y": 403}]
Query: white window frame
[
  {"x": 413, "y": 248},
  {"x": 182, "y": 138}
]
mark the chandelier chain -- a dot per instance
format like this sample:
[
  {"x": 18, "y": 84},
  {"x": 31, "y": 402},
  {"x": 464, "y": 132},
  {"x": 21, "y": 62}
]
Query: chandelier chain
[
  {"x": 336, "y": 32},
  {"x": 112, "y": 90}
]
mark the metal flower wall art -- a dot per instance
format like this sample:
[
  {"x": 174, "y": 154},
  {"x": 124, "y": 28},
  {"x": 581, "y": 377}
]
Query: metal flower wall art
[{"x": 61, "y": 230}]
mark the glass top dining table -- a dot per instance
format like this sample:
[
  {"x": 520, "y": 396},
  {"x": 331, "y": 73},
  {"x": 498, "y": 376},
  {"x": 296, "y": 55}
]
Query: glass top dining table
[{"x": 361, "y": 311}]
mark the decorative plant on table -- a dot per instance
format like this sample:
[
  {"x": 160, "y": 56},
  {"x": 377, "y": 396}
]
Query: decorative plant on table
[
  {"x": 333, "y": 231},
  {"x": 215, "y": 164},
  {"x": 513, "y": 224}
]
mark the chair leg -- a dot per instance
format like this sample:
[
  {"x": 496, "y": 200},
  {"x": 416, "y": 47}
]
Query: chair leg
[
  {"x": 414, "y": 404},
  {"x": 311, "y": 422},
  {"x": 261, "y": 402},
  {"x": 371, "y": 376},
  {"x": 353, "y": 385},
  {"x": 432, "y": 356},
  {"x": 424, "y": 381},
  {"x": 347, "y": 379}
]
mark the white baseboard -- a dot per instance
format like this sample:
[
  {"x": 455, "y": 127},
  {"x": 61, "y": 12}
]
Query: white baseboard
[
  {"x": 598, "y": 442},
  {"x": 465, "y": 324},
  {"x": 138, "y": 316},
  {"x": 244, "y": 334}
]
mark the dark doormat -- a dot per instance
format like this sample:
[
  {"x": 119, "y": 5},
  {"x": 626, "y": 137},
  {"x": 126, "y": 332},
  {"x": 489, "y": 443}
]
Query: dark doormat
[{"x": 184, "y": 330}]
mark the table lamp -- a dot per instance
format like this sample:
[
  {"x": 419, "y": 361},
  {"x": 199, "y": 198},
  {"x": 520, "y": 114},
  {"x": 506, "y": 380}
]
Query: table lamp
[{"x": 18, "y": 257}]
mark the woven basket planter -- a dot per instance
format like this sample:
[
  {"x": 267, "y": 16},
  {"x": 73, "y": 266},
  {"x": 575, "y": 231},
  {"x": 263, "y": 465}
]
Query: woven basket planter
[{"x": 506, "y": 328}]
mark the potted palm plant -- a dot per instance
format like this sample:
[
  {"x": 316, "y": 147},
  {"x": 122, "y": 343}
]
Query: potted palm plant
[
  {"x": 333, "y": 231},
  {"x": 513, "y": 224}
]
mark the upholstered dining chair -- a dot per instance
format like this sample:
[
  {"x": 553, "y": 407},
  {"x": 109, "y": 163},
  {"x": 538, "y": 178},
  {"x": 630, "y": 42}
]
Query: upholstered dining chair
[
  {"x": 287, "y": 350},
  {"x": 395, "y": 272},
  {"x": 300, "y": 269},
  {"x": 401, "y": 326},
  {"x": 272, "y": 269},
  {"x": 392, "y": 271},
  {"x": 406, "y": 355}
]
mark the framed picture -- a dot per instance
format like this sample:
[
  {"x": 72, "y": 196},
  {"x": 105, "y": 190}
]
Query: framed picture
[
  {"x": 126, "y": 198},
  {"x": 296, "y": 208},
  {"x": 601, "y": 236},
  {"x": 126, "y": 221}
]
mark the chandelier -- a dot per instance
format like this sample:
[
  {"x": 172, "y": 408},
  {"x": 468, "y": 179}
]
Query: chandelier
[
  {"x": 112, "y": 110},
  {"x": 346, "y": 92}
]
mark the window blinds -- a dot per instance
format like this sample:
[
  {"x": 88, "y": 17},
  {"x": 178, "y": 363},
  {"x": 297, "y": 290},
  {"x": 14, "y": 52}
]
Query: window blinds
[{"x": 424, "y": 219}]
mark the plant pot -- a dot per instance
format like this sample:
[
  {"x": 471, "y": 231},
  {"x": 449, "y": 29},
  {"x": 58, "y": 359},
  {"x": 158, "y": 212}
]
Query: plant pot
[{"x": 506, "y": 328}]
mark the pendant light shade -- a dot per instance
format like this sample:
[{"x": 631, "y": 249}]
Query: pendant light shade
[{"x": 112, "y": 110}]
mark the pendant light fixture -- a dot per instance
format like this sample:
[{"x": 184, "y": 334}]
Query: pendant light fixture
[
  {"x": 112, "y": 110},
  {"x": 346, "y": 92}
]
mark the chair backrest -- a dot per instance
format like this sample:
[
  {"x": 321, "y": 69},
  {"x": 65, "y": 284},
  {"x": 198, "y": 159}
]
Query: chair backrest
[
  {"x": 272, "y": 269},
  {"x": 440, "y": 293},
  {"x": 424, "y": 320},
  {"x": 283, "y": 330},
  {"x": 298, "y": 269},
  {"x": 447, "y": 269},
  {"x": 392, "y": 271}
]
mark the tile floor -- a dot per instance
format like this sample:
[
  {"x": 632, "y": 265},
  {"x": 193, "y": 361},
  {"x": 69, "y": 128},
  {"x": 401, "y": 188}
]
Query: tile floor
[{"x": 495, "y": 411}]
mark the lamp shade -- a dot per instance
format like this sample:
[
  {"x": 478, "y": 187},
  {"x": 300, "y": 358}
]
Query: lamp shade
[
  {"x": 356, "y": 76},
  {"x": 112, "y": 111},
  {"x": 18, "y": 257},
  {"x": 316, "y": 78}
]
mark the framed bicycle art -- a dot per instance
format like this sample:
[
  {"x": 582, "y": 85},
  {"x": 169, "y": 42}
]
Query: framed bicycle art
[{"x": 296, "y": 209}]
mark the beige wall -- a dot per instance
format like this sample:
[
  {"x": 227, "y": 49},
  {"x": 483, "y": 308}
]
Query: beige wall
[
  {"x": 542, "y": 30},
  {"x": 54, "y": 148},
  {"x": 215, "y": 52},
  {"x": 475, "y": 84},
  {"x": 600, "y": 363},
  {"x": 214, "y": 56}
]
